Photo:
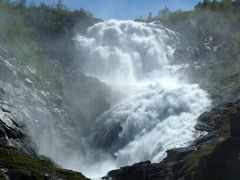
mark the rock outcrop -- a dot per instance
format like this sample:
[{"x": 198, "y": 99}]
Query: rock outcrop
[
  {"x": 214, "y": 156},
  {"x": 224, "y": 162},
  {"x": 18, "y": 160},
  {"x": 11, "y": 134}
]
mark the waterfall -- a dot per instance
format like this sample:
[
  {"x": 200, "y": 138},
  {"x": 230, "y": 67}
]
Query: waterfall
[
  {"x": 134, "y": 102},
  {"x": 157, "y": 109}
]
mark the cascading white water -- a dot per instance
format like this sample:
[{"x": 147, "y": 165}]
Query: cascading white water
[
  {"x": 157, "y": 111},
  {"x": 155, "y": 108}
]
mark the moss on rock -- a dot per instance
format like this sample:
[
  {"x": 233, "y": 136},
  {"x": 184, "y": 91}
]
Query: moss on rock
[
  {"x": 191, "y": 163},
  {"x": 26, "y": 166}
]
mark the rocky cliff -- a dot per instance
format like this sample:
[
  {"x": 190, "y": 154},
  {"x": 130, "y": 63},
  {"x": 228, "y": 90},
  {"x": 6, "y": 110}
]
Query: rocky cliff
[{"x": 18, "y": 160}]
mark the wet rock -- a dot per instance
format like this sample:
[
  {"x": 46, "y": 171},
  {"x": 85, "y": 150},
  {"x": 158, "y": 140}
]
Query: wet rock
[
  {"x": 235, "y": 124},
  {"x": 223, "y": 163},
  {"x": 213, "y": 156},
  {"x": 11, "y": 134},
  {"x": 139, "y": 171},
  {"x": 2, "y": 93},
  {"x": 18, "y": 159},
  {"x": 6, "y": 73},
  {"x": 179, "y": 153}
]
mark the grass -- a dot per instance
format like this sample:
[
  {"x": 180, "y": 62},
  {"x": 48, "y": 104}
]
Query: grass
[
  {"x": 224, "y": 129},
  {"x": 2, "y": 176},
  {"x": 191, "y": 163},
  {"x": 13, "y": 159}
]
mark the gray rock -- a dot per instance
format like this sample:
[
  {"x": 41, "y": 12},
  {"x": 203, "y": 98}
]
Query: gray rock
[{"x": 171, "y": 168}]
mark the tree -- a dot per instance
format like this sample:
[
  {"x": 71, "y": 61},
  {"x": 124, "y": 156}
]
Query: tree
[
  {"x": 60, "y": 6},
  {"x": 149, "y": 16},
  {"x": 227, "y": 4},
  {"x": 205, "y": 3},
  {"x": 164, "y": 13},
  {"x": 21, "y": 3}
]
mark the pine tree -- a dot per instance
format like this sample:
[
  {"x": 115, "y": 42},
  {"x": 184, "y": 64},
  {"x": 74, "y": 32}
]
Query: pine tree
[{"x": 206, "y": 3}]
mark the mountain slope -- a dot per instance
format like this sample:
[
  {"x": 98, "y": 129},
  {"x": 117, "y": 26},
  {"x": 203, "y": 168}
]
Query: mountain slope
[{"x": 18, "y": 160}]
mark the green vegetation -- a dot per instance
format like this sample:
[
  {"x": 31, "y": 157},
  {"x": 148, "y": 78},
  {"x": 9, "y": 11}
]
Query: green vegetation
[
  {"x": 191, "y": 163},
  {"x": 38, "y": 40},
  {"x": 31, "y": 30},
  {"x": 210, "y": 43},
  {"x": 18, "y": 37},
  {"x": 40, "y": 36},
  {"x": 37, "y": 168},
  {"x": 2, "y": 176}
]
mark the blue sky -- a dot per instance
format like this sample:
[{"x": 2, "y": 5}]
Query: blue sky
[{"x": 125, "y": 9}]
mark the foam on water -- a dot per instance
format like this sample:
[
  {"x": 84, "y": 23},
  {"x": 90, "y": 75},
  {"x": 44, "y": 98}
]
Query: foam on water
[{"x": 158, "y": 111}]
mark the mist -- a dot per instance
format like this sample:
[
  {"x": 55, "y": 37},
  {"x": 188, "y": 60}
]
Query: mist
[
  {"x": 120, "y": 90},
  {"x": 96, "y": 95},
  {"x": 137, "y": 60}
]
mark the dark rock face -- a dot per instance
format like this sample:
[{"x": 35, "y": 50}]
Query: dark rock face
[
  {"x": 215, "y": 156},
  {"x": 11, "y": 134},
  {"x": 235, "y": 124},
  {"x": 224, "y": 162}
]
